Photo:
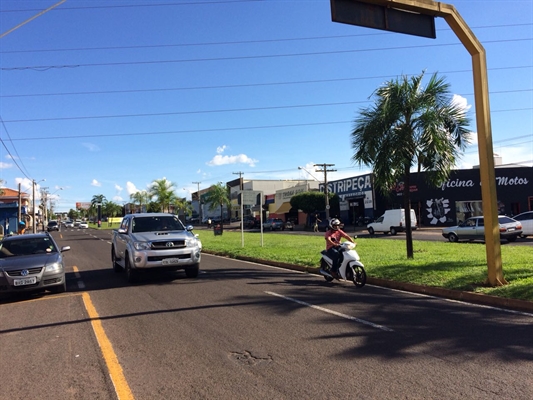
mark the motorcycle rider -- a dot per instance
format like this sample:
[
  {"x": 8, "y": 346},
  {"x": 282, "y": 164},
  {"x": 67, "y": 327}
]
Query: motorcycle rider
[{"x": 333, "y": 237}]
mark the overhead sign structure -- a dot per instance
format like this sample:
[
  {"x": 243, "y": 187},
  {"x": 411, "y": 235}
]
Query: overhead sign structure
[
  {"x": 481, "y": 93},
  {"x": 381, "y": 17}
]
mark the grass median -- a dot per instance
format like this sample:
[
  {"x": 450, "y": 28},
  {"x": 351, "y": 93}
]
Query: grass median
[{"x": 459, "y": 266}]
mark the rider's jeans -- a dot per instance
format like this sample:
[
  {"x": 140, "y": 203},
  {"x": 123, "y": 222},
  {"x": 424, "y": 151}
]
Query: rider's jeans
[{"x": 335, "y": 256}]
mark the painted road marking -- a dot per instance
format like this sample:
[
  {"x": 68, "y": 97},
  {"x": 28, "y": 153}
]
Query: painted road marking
[
  {"x": 338, "y": 314},
  {"x": 122, "y": 388}
]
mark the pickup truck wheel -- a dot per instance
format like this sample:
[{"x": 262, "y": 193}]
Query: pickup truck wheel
[
  {"x": 371, "y": 230},
  {"x": 116, "y": 266},
  {"x": 192, "y": 272},
  {"x": 131, "y": 275},
  {"x": 393, "y": 231}
]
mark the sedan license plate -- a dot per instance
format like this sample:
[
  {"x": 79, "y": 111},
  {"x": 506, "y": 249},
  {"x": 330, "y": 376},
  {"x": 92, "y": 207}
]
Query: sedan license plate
[
  {"x": 170, "y": 261},
  {"x": 25, "y": 281},
  {"x": 510, "y": 230}
]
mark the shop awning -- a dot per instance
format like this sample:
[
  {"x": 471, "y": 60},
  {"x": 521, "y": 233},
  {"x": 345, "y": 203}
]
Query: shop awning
[{"x": 284, "y": 208}]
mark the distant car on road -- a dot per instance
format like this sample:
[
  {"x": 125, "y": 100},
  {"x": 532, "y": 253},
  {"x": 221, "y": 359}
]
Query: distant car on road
[
  {"x": 52, "y": 226},
  {"x": 526, "y": 219},
  {"x": 83, "y": 225},
  {"x": 474, "y": 229},
  {"x": 250, "y": 222},
  {"x": 69, "y": 224},
  {"x": 274, "y": 224},
  {"x": 32, "y": 263}
]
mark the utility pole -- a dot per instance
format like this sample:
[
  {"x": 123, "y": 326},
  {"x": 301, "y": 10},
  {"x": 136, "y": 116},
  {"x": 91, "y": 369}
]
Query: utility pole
[
  {"x": 199, "y": 202},
  {"x": 44, "y": 201},
  {"x": 325, "y": 170}
]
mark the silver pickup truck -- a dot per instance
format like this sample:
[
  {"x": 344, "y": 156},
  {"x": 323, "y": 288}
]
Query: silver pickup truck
[{"x": 155, "y": 241}]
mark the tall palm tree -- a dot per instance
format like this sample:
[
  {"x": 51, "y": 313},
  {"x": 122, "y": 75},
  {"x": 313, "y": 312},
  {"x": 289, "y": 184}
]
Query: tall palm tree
[
  {"x": 142, "y": 197},
  {"x": 93, "y": 210},
  {"x": 218, "y": 196},
  {"x": 410, "y": 125},
  {"x": 163, "y": 190}
]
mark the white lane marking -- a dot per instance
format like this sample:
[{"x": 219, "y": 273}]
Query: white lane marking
[{"x": 338, "y": 314}]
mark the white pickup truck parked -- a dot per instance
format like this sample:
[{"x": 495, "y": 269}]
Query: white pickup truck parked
[{"x": 151, "y": 241}]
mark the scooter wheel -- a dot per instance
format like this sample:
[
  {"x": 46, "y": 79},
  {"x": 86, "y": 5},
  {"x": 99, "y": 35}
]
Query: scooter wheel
[{"x": 357, "y": 275}]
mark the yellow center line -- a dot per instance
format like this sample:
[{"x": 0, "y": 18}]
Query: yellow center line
[{"x": 122, "y": 388}]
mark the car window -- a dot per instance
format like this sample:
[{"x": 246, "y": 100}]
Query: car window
[
  {"x": 505, "y": 220},
  {"x": 524, "y": 217},
  {"x": 26, "y": 247},
  {"x": 150, "y": 224}
]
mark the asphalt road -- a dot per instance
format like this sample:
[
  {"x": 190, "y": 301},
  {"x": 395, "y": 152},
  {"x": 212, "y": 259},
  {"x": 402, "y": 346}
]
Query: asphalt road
[{"x": 243, "y": 330}]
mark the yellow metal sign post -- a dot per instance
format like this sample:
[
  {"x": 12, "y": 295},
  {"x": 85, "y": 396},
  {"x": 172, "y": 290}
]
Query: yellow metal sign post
[{"x": 355, "y": 12}]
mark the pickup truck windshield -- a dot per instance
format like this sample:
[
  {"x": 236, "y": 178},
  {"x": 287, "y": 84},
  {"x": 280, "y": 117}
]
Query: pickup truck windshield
[{"x": 152, "y": 224}]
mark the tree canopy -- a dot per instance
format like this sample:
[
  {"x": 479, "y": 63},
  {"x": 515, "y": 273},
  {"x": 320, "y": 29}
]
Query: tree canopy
[{"x": 409, "y": 126}]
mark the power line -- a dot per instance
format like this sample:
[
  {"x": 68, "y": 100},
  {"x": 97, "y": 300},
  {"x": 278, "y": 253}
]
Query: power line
[
  {"x": 10, "y": 155},
  {"x": 259, "y": 84},
  {"x": 195, "y": 3},
  {"x": 255, "y": 57},
  {"x": 265, "y": 108},
  {"x": 192, "y": 131},
  {"x": 236, "y": 42}
]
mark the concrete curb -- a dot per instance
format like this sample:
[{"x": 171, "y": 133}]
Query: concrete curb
[{"x": 468, "y": 297}]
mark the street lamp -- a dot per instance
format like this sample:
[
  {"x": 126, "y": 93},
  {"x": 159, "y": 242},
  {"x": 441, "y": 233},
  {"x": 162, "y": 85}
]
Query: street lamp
[
  {"x": 35, "y": 183},
  {"x": 50, "y": 196},
  {"x": 309, "y": 173}
]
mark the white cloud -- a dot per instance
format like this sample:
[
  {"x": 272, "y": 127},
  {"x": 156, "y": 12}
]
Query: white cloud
[
  {"x": 95, "y": 183},
  {"x": 117, "y": 199},
  {"x": 221, "y": 149},
  {"x": 130, "y": 188},
  {"x": 4, "y": 165},
  {"x": 225, "y": 160},
  {"x": 461, "y": 102},
  {"x": 91, "y": 146},
  {"x": 118, "y": 188}
]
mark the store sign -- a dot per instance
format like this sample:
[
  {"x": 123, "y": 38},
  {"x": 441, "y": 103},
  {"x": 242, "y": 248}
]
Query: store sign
[{"x": 350, "y": 186}]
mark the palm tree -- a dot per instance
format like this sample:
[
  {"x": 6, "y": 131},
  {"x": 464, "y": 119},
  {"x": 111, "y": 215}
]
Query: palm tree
[
  {"x": 142, "y": 197},
  {"x": 93, "y": 210},
  {"x": 218, "y": 196},
  {"x": 408, "y": 126},
  {"x": 164, "y": 191}
]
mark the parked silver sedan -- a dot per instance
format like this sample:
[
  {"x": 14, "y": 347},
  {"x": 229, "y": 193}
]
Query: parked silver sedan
[{"x": 474, "y": 229}]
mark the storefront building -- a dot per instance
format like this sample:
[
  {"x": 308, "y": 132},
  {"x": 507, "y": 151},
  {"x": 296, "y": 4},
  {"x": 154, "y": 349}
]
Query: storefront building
[
  {"x": 460, "y": 196},
  {"x": 356, "y": 197}
]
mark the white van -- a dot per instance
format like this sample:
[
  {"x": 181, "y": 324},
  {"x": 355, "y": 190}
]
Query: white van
[{"x": 392, "y": 221}]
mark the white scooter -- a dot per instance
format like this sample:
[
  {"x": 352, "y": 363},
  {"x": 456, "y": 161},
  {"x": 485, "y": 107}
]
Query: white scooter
[{"x": 351, "y": 268}]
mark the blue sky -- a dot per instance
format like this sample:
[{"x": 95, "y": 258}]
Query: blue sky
[{"x": 103, "y": 97}]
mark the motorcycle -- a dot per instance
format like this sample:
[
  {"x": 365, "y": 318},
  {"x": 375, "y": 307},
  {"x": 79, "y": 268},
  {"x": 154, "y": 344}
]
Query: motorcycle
[{"x": 351, "y": 268}]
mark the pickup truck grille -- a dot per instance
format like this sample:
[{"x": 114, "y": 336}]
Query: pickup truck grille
[
  {"x": 161, "y": 258},
  {"x": 168, "y": 244}
]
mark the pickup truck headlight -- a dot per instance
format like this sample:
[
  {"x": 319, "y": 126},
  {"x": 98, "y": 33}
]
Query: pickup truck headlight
[
  {"x": 192, "y": 242},
  {"x": 142, "y": 245}
]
